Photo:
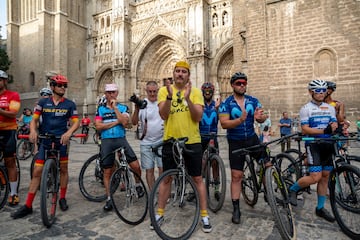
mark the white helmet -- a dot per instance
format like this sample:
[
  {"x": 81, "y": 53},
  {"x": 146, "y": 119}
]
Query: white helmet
[
  {"x": 102, "y": 101},
  {"x": 317, "y": 84},
  {"x": 3, "y": 75},
  {"x": 45, "y": 92}
]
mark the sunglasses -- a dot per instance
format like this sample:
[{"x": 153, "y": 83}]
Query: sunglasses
[
  {"x": 208, "y": 92},
  {"x": 110, "y": 92},
  {"x": 320, "y": 90},
  {"x": 45, "y": 95},
  {"x": 152, "y": 91},
  {"x": 240, "y": 83},
  {"x": 60, "y": 85},
  {"x": 179, "y": 99}
]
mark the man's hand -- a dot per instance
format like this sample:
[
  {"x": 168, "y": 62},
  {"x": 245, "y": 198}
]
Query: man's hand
[
  {"x": 187, "y": 90},
  {"x": 65, "y": 138},
  {"x": 168, "y": 87}
]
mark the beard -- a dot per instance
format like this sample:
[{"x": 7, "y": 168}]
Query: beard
[
  {"x": 59, "y": 94},
  {"x": 239, "y": 93}
]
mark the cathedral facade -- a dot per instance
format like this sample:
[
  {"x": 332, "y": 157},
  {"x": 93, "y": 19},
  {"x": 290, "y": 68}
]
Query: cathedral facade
[{"x": 280, "y": 44}]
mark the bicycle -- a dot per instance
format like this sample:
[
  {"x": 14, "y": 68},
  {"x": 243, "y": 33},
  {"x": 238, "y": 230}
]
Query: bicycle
[
  {"x": 344, "y": 188},
  {"x": 253, "y": 181},
  {"x": 84, "y": 130},
  {"x": 215, "y": 175},
  {"x": 91, "y": 176},
  {"x": 50, "y": 180},
  {"x": 128, "y": 204},
  {"x": 24, "y": 149},
  {"x": 180, "y": 216}
]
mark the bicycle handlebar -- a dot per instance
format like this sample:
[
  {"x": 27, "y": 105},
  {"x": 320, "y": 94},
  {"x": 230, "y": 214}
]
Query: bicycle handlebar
[
  {"x": 263, "y": 145},
  {"x": 51, "y": 136}
]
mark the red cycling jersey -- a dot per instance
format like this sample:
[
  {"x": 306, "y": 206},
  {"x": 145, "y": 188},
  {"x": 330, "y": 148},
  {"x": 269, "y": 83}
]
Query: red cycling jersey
[
  {"x": 85, "y": 121},
  {"x": 9, "y": 101}
]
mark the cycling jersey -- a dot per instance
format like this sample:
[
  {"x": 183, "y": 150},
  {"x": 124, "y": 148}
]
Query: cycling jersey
[
  {"x": 107, "y": 115},
  {"x": 85, "y": 121},
  {"x": 317, "y": 116},
  {"x": 55, "y": 117},
  {"x": 9, "y": 101},
  {"x": 229, "y": 107},
  {"x": 210, "y": 119}
]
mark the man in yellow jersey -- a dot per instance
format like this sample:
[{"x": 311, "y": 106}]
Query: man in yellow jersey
[
  {"x": 181, "y": 108},
  {"x": 339, "y": 106}
]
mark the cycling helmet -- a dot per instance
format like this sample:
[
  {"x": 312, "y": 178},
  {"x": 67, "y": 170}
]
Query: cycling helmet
[
  {"x": 238, "y": 75},
  {"x": 59, "y": 79},
  {"x": 331, "y": 85},
  {"x": 45, "y": 92},
  {"x": 317, "y": 84},
  {"x": 207, "y": 85},
  {"x": 102, "y": 101},
  {"x": 3, "y": 75}
]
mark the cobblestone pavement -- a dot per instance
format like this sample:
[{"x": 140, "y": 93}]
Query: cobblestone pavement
[{"x": 86, "y": 220}]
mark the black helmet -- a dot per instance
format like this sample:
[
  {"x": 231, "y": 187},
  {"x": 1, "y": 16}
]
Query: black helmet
[
  {"x": 236, "y": 76},
  {"x": 331, "y": 85}
]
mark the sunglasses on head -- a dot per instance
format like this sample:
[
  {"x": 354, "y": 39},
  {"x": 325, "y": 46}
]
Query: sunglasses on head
[
  {"x": 60, "y": 85},
  {"x": 240, "y": 83},
  {"x": 320, "y": 90}
]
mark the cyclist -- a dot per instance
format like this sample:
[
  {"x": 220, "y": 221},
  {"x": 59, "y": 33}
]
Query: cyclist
[
  {"x": 285, "y": 124},
  {"x": 152, "y": 132},
  {"x": 339, "y": 106},
  {"x": 9, "y": 108},
  {"x": 181, "y": 107},
  {"x": 111, "y": 120},
  {"x": 85, "y": 122},
  {"x": 209, "y": 124},
  {"x": 26, "y": 118},
  {"x": 318, "y": 119},
  {"x": 237, "y": 114},
  {"x": 56, "y": 112}
]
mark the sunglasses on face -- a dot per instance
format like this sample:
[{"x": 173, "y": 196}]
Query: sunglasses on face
[
  {"x": 151, "y": 91},
  {"x": 240, "y": 83},
  {"x": 44, "y": 95},
  {"x": 208, "y": 92},
  {"x": 60, "y": 85},
  {"x": 320, "y": 90},
  {"x": 110, "y": 92}
]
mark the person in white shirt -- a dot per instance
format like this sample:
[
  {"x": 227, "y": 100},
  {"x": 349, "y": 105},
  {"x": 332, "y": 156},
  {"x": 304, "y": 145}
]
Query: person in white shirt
[{"x": 151, "y": 130}]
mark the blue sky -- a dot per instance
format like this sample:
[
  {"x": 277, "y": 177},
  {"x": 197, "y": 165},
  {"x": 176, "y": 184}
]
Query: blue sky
[{"x": 3, "y": 18}]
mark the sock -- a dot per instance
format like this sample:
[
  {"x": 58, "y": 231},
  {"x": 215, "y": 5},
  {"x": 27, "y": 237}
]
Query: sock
[
  {"x": 30, "y": 199},
  {"x": 321, "y": 202},
  {"x": 160, "y": 212},
  {"x": 295, "y": 187},
  {"x": 13, "y": 188},
  {"x": 63, "y": 192},
  {"x": 108, "y": 198},
  {"x": 235, "y": 202},
  {"x": 204, "y": 213}
]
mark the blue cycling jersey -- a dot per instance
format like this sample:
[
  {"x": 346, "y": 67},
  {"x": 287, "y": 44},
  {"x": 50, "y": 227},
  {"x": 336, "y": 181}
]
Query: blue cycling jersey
[
  {"x": 107, "y": 115},
  {"x": 55, "y": 118},
  {"x": 229, "y": 107},
  {"x": 210, "y": 119}
]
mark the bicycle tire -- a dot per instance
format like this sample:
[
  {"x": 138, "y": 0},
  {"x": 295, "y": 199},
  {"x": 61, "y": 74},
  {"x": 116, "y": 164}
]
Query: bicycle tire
[
  {"x": 18, "y": 173},
  {"x": 249, "y": 187},
  {"x": 24, "y": 149},
  {"x": 129, "y": 207},
  {"x": 344, "y": 188},
  {"x": 49, "y": 192},
  {"x": 290, "y": 169},
  {"x": 180, "y": 216},
  {"x": 91, "y": 180},
  {"x": 4, "y": 186},
  {"x": 215, "y": 185},
  {"x": 277, "y": 197}
]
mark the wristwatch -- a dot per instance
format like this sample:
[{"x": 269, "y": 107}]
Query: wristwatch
[{"x": 168, "y": 98}]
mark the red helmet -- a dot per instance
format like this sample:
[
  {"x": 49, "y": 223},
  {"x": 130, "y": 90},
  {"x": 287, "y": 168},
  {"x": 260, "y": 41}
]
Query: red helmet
[
  {"x": 207, "y": 85},
  {"x": 59, "y": 79}
]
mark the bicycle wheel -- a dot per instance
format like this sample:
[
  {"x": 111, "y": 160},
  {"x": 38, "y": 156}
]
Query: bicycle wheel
[
  {"x": 215, "y": 181},
  {"x": 49, "y": 192},
  {"x": 4, "y": 187},
  {"x": 128, "y": 205},
  {"x": 18, "y": 173},
  {"x": 249, "y": 183},
  {"x": 91, "y": 182},
  {"x": 24, "y": 149},
  {"x": 180, "y": 216},
  {"x": 280, "y": 207},
  {"x": 344, "y": 187},
  {"x": 290, "y": 170}
]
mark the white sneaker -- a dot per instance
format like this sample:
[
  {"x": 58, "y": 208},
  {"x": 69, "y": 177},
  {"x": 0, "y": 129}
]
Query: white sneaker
[
  {"x": 159, "y": 221},
  {"x": 206, "y": 226}
]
